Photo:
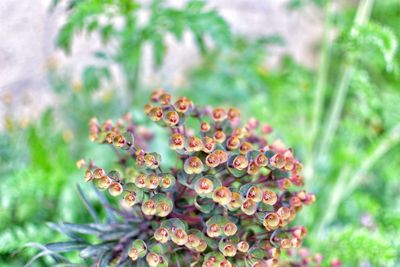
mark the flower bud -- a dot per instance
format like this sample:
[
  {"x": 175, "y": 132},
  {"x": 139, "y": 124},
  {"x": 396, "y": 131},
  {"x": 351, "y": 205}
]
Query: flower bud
[
  {"x": 165, "y": 99},
  {"x": 130, "y": 199},
  {"x": 222, "y": 195},
  {"x": 152, "y": 181},
  {"x": 88, "y": 175},
  {"x": 149, "y": 207},
  {"x": 179, "y": 237},
  {"x": 161, "y": 235},
  {"x": 115, "y": 189},
  {"x": 240, "y": 162},
  {"x": 218, "y": 114},
  {"x": 225, "y": 263},
  {"x": 155, "y": 95},
  {"x": 177, "y": 141},
  {"x": 147, "y": 108},
  {"x": 193, "y": 165},
  {"x": 232, "y": 143},
  {"x": 153, "y": 259},
  {"x": 236, "y": 201},
  {"x": 229, "y": 250},
  {"x": 284, "y": 213},
  {"x": 171, "y": 118},
  {"x": 243, "y": 246},
  {"x": 156, "y": 114},
  {"x": 212, "y": 160},
  {"x": 208, "y": 144},
  {"x": 103, "y": 183},
  {"x": 271, "y": 220},
  {"x": 193, "y": 241},
  {"x": 203, "y": 186},
  {"x": 164, "y": 208},
  {"x": 252, "y": 169},
  {"x": 219, "y": 136},
  {"x": 167, "y": 181},
  {"x": 261, "y": 160},
  {"x": 194, "y": 144},
  {"x": 152, "y": 160},
  {"x": 233, "y": 114},
  {"x": 249, "y": 207},
  {"x": 202, "y": 246},
  {"x": 183, "y": 104},
  {"x": 138, "y": 250},
  {"x": 295, "y": 242},
  {"x": 140, "y": 180},
  {"x": 99, "y": 173},
  {"x": 269, "y": 197},
  {"x": 254, "y": 193},
  {"x": 272, "y": 263},
  {"x": 223, "y": 156},
  {"x": 230, "y": 229},
  {"x": 204, "y": 127},
  {"x": 285, "y": 243},
  {"x": 245, "y": 147},
  {"x": 213, "y": 230}
]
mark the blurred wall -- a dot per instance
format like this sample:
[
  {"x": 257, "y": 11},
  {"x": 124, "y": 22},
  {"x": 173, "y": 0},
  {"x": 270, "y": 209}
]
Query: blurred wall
[{"x": 28, "y": 30}]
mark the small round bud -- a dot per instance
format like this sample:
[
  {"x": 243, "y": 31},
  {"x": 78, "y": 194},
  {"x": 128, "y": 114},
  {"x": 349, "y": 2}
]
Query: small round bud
[
  {"x": 155, "y": 95},
  {"x": 171, "y": 118},
  {"x": 232, "y": 143},
  {"x": 161, "y": 235},
  {"x": 295, "y": 242},
  {"x": 219, "y": 114},
  {"x": 193, "y": 165},
  {"x": 204, "y": 127},
  {"x": 254, "y": 193},
  {"x": 269, "y": 197},
  {"x": 203, "y": 186},
  {"x": 156, "y": 114},
  {"x": 194, "y": 144},
  {"x": 140, "y": 180},
  {"x": 149, "y": 207},
  {"x": 249, "y": 207},
  {"x": 261, "y": 160},
  {"x": 193, "y": 241},
  {"x": 153, "y": 259},
  {"x": 208, "y": 144},
  {"x": 152, "y": 160},
  {"x": 271, "y": 220},
  {"x": 202, "y": 246},
  {"x": 230, "y": 229},
  {"x": 99, "y": 173},
  {"x": 130, "y": 199},
  {"x": 115, "y": 189},
  {"x": 229, "y": 250},
  {"x": 222, "y": 195},
  {"x": 219, "y": 136},
  {"x": 138, "y": 249},
  {"x": 236, "y": 201},
  {"x": 177, "y": 141},
  {"x": 165, "y": 99},
  {"x": 225, "y": 263},
  {"x": 103, "y": 183},
  {"x": 152, "y": 181},
  {"x": 167, "y": 181},
  {"x": 182, "y": 104},
  {"x": 233, "y": 114},
  {"x": 88, "y": 175},
  {"x": 252, "y": 169},
  {"x": 179, "y": 237},
  {"x": 245, "y": 147},
  {"x": 284, "y": 213},
  {"x": 213, "y": 230},
  {"x": 164, "y": 208},
  {"x": 285, "y": 243},
  {"x": 240, "y": 162},
  {"x": 243, "y": 246},
  {"x": 223, "y": 156},
  {"x": 80, "y": 163},
  {"x": 147, "y": 108},
  {"x": 212, "y": 160}
]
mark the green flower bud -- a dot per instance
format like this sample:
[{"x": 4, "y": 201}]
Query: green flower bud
[
  {"x": 179, "y": 237},
  {"x": 193, "y": 165},
  {"x": 243, "y": 246},
  {"x": 153, "y": 259},
  {"x": 177, "y": 141},
  {"x": 161, "y": 235},
  {"x": 152, "y": 181},
  {"x": 103, "y": 183},
  {"x": 249, "y": 207},
  {"x": 149, "y": 207},
  {"x": 171, "y": 118},
  {"x": 269, "y": 197},
  {"x": 222, "y": 195},
  {"x": 115, "y": 189}
]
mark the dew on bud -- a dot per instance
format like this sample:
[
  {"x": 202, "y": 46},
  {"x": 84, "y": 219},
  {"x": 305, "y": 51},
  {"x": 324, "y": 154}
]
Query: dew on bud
[{"x": 193, "y": 165}]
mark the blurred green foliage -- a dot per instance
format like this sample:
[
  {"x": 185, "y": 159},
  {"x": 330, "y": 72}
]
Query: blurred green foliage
[{"x": 353, "y": 157}]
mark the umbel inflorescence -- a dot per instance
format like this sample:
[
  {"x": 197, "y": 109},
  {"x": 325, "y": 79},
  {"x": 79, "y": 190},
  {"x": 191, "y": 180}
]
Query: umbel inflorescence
[{"x": 229, "y": 199}]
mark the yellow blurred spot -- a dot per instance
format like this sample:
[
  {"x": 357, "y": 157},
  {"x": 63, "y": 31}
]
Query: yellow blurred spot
[{"x": 67, "y": 136}]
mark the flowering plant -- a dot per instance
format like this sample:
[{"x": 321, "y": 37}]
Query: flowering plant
[{"x": 228, "y": 200}]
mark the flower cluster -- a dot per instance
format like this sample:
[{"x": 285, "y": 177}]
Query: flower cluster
[{"x": 229, "y": 199}]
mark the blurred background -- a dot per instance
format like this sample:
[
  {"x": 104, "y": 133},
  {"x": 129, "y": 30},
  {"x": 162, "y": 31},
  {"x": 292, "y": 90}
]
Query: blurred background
[{"x": 323, "y": 73}]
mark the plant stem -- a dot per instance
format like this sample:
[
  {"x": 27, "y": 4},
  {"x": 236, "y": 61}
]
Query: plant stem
[
  {"x": 347, "y": 183},
  {"x": 362, "y": 16}
]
